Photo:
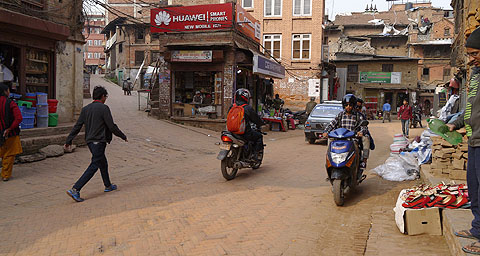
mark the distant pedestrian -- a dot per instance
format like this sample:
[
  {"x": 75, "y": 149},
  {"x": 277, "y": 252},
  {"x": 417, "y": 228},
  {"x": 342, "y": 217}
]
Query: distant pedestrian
[
  {"x": 405, "y": 114},
  {"x": 127, "y": 87},
  {"x": 99, "y": 127},
  {"x": 470, "y": 120},
  {"x": 310, "y": 106},
  {"x": 386, "y": 112},
  {"x": 10, "y": 119}
]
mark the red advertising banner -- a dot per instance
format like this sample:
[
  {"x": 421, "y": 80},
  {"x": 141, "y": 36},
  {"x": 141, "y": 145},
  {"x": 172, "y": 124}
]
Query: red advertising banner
[
  {"x": 247, "y": 24},
  {"x": 191, "y": 18}
]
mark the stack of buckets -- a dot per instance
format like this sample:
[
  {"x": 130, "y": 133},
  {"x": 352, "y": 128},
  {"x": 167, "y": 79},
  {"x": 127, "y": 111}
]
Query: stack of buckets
[
  {"x": 42, "y": 110},
  {"x": 28, "y": 114},
  {"x": 52, "y": 112}
]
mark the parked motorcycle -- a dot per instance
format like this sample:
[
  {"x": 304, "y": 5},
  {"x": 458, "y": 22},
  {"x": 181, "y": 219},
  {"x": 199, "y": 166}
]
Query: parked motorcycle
[
  {"x": 237, "y": 153},
  {"x": 343, "y": 162},
  {"x": 417, "y": 119}
]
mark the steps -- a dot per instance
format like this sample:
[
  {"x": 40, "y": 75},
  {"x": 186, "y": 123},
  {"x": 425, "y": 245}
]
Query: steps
[{"x": 37, "y": 138}]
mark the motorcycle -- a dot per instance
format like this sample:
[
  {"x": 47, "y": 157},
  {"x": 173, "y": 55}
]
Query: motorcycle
[
  {"x": 343, "y": 162},
  {"x": 417, "y": 119},
  {"x": 237, "y": 153}
]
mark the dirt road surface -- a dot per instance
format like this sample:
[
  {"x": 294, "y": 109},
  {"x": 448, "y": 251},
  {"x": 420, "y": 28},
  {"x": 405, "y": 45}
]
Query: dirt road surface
[{"x": 173, "y": 200}]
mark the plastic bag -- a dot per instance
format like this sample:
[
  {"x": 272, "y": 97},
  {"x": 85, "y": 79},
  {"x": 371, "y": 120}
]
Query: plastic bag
[{"x": 399, "y": 168}]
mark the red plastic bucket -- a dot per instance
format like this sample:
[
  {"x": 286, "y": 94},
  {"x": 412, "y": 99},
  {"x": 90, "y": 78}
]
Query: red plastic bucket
[{"x": 52, "y": 105}]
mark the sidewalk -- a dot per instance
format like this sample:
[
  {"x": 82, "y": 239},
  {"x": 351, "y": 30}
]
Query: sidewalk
[{"x": 453, "y": 219}]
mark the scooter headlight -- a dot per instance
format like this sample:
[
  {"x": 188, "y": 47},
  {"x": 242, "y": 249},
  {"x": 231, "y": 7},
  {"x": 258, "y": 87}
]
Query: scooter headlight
[{"x": 339, "y": 157}]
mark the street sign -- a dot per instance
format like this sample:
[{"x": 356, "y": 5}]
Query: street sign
[
  {"x": 191, "y": 18},
  {"x": 381, "y": 77}
]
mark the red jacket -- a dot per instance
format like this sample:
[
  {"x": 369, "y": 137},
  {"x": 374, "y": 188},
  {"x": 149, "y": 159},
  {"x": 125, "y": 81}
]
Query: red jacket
[
  {"x": 15, "y": 117},
  {"x": 405, "y": 112}
]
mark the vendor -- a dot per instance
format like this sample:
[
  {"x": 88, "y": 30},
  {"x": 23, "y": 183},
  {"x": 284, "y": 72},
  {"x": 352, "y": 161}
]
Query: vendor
[{"x": 198, "y": 98}]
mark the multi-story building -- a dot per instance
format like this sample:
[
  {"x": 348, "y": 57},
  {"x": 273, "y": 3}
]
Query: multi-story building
[
  {"x": 292, "y": 33},
  {"x": 405, "y": 34},
  {"x": 209, "y": 50},
  {"x": 94, "y": 55}
]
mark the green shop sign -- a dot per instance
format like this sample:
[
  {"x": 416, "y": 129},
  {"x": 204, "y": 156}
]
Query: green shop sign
[{"x": 381, "y": 77}]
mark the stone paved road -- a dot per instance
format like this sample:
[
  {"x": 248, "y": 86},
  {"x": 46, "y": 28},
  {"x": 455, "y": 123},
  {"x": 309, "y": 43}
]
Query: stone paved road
[{"x": 173, "y": 200}]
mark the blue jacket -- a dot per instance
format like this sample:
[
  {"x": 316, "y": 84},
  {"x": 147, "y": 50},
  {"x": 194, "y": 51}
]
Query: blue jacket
[{"x": 387, "y": 107}]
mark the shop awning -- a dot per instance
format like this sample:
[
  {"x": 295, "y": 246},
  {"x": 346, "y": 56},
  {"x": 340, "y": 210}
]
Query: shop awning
[
  {"x": 33, "y": 25},
  {"x": 264, "y": 66}
]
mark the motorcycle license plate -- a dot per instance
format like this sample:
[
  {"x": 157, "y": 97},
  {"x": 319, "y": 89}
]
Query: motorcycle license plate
[{"x": 225, "y": 146}]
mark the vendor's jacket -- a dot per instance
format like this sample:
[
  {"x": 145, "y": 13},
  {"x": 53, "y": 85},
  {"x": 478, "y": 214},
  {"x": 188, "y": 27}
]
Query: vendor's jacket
[
  {"x": 470, "y": 119},
  {"x": 10, "y": 116}
]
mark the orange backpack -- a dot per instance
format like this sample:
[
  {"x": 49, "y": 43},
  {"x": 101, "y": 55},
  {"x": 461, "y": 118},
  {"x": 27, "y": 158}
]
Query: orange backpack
[{"x": 236, "y": 119}]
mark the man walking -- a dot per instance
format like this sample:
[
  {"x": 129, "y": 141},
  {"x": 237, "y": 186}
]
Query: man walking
[
  {"x": 10, "y": 118},
  {"x": 470, "y": 120},
  {"x": 99, "y": 127},
  {"x": 405, "y": 114},
  {"x": 310, "y": 106},
  {"x": 386, "y": 112}
]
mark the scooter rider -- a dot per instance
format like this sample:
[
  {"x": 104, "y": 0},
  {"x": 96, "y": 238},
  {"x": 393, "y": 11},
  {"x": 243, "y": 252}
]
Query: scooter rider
[
  {"x": 349, "y": 118},
  {"x": 367, "y": 140},
  {"x": 242, "y": 97}
]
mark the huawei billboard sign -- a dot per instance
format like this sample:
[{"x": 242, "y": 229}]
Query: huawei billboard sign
[{"x": 191, "y": 18}]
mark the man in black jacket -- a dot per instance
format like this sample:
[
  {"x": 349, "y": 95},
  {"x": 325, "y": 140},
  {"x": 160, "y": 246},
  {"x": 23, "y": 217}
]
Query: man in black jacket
[
  {"x": 99, "y": 127},
  {"x": 242, "y": 97}
]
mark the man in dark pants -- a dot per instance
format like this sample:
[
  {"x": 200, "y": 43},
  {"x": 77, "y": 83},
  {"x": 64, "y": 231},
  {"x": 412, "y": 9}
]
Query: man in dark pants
[
  {"x": 470, "y": 120},
  {"x": 405, "y": 114},
  {"x": 242, "y": 97},
  {"x": 99, "y": 127}
]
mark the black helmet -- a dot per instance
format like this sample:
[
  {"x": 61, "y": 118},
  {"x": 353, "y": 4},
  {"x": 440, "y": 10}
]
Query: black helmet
[
  {"x": 242, "y": 95},
  {"x": 349, "y": 98},
  {"x": 360, "y": 100}
]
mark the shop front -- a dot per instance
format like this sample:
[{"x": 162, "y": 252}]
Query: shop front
[
  {"x": 40, "y": 61},
  {"x": 207, "y": 62}
]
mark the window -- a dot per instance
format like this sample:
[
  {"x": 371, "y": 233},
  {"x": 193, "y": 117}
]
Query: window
[
  {"x": 446, "y": 32},
  {"x": 89, "y": 56},
  {"x": 139, "y": 56},
  {"x": 446, "y": 72},
  {"x": 352, "y": 73},
  {"x": 426, "y": 71},
  {"x": 247, "y": 3},
  {"x": 273, "y": 45},
  {"x": 139, "y": 36},
  {"x": 301, "y": 47},
  {"x": 273, "y": 8},
  {"x": 120, "y": 47},
  {"x": 89, "y": 42},
  {"x": 387, "y": 67},
  {"x": 302, "y": 7}
]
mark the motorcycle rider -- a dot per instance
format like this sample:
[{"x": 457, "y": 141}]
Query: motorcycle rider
[
  {"x": 367, "y": 139},
  {"x": 242, "y": 97},
  {"x": 417, "y": 113},
  {"x": 349, "y": 118}
]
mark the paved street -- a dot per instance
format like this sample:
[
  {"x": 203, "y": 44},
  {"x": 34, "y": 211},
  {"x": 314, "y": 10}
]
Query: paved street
[{"x": 173, "y": 200}]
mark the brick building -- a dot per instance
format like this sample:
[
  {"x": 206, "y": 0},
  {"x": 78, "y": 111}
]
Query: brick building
[
  {"x": 208, "y": 58},
  {"x": 41, "y": 42},
  {"x": 406, "y": 32},
  {"x": 94, "y": 55},
  {"x": 292, "y": 32}
]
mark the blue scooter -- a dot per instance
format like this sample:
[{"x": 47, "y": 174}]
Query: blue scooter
[{"x": 344, "y": 156}]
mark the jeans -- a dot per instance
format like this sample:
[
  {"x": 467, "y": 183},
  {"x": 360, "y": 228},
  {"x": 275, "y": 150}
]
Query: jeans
[
  {"x": 386, "y": 116},
  {"x": 99, "y": 161},
  {"x": 256, "y": 137},
  {"x": 405, "y": 126},
  {"x": 473, "y": 181}
]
